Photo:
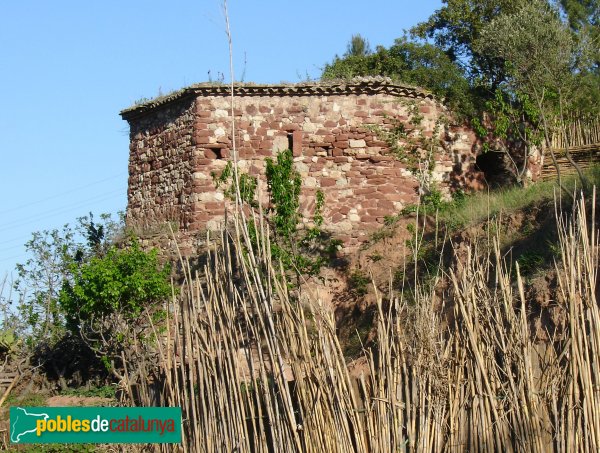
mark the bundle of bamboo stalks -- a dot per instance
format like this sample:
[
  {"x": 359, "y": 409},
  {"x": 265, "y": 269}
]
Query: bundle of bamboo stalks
[
  {"x": 256, "y": 369},
  {"x": 578, "y": 133}
]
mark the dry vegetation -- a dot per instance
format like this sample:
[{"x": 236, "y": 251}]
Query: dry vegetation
[{"x": 257, "y": 367}]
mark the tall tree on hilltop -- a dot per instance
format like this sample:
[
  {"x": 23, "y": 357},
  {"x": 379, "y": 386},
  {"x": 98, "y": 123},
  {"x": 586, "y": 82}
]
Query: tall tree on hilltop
[
  {"x": 455, "y": 28},
  {"x": 543, "y": 61},
  {"x": 421, "y": 64},
  {"x": 358, "y": 46}
]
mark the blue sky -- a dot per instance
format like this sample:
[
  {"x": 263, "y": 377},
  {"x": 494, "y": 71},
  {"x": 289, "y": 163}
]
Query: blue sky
[{"x": 68, "y": 67}]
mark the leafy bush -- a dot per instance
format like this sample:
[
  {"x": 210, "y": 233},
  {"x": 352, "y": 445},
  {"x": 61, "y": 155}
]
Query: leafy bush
[
  {"x": 123, "y": 280},
  {"x": 284, "y": 185}
]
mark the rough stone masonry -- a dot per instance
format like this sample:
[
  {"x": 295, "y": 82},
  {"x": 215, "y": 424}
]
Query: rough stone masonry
[{"x": 347, "y": 140}]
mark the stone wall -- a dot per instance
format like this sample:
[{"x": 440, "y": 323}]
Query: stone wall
[{"x": 340, "y": 136}]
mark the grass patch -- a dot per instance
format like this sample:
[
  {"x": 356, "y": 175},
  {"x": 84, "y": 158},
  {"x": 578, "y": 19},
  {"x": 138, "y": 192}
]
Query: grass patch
[
  {"x": 106, "y": 391},
  {"x": 480, "y": 206},
  {"x": 28, "y": 400}
]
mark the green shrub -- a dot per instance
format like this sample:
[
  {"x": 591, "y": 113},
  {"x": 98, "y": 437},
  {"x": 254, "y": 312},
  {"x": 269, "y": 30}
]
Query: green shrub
[{"x": 124, "y": 280}]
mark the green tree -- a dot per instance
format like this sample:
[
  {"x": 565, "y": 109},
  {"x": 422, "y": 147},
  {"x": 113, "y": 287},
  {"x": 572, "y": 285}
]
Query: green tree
[
  {"x": 124, "y": 280},
  {"x": 416, "y": 63},
  {"x": 358, "y": 46},
  {"x": 455, "y": 28},
  {"x": 39, "y": 282},
  {"x": 542, "y": 60}
]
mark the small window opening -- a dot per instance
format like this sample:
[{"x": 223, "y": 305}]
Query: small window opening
[
  {"x": 290, "y": 137},
  {"x": 218, "y": 152}
]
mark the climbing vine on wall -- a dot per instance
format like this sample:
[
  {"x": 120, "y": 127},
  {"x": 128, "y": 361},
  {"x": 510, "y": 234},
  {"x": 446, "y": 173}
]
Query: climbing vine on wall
[
  {"x": 303, "y": 250},
  {"x": 408, "y": 143}
]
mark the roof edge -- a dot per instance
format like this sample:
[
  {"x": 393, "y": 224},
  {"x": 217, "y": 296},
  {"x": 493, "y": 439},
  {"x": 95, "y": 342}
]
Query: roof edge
[{"x": 357, "y": 85}]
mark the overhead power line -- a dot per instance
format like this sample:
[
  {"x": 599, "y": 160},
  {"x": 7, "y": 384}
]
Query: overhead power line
[
  {"x": 61, "y": 210},
  {"x": 52, "y": 197}
]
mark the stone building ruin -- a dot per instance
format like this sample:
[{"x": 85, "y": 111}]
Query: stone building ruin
[{"x": 369, "y": 144}]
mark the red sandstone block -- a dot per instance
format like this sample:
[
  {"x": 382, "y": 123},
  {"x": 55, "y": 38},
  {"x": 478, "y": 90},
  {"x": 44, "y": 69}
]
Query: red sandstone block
[
  {"x": 337, "y": 152},
  {"x": 336, "y": 217},
  {"x": 377, "y": 212},
  {"x": 264, "y": 109},
  {"x": 322, "y": 132},
  {"x": 362, "y": 156},
  {"x": 425, "y": 109},
  {"x": 376, "y": 179},
  {"x": 385, "y": 204},
  {"x": 266, "y": 144},
  {"x": 246, "y": 152},
  {"x": 344, "y": 210},
  {"x": 376, "y": 159},
  {"x": 377, "y": 143},
  {"x": 210, "y": 205},
  {"x": 396, "y": 197},
  {"x": 295, "y": 109},
  {"x": 361, "y": 114},
  {"x": 202, "y": 216},
  {"x": 341, "y": 144},
  {"x": 387, "y": 189},
  {"x": 330, "y": 123},
  {"x": 342, "y": 122},
  {"x": 290, "y": 127},
  {"x": 364, "y": 190},
  {"x": 297, "y": 143},
  {"x": 340, "y": 160},
  {"x": 367, "y": 219},
  {"x": 210, "y": 154},
  {"x": 203, "y": 113},
  {"x": 361, "y": 102},
  {"x": 328, "y": 182}
]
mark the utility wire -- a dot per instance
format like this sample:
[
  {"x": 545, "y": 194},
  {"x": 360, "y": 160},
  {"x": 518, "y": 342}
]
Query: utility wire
[
  {"x": 76, "y": 189},
  {"x": 64, "y": 209}
]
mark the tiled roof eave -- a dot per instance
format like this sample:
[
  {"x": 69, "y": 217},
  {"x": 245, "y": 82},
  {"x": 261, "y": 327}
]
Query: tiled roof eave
[{"x": 370, "y": 86}]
